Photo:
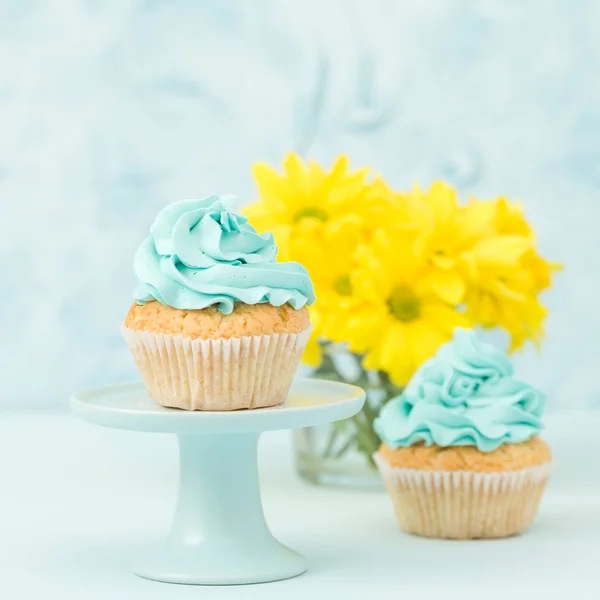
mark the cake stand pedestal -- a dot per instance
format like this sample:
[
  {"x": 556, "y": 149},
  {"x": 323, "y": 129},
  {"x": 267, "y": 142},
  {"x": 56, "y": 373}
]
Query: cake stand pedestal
[{"x": 219, "y": 535}]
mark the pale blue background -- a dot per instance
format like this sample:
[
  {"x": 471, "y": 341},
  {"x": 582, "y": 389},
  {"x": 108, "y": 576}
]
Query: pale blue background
[{"x": 109, "y": 110}]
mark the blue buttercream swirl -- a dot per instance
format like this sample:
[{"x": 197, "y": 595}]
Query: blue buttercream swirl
[
  {"x": 466, "y": 395},
  {"x": 200, "y": 254}
]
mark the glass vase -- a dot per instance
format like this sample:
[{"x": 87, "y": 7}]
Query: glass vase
[{"x": 341, "y": 454}]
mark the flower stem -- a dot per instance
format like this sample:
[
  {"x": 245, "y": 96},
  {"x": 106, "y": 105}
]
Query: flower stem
[{"x": 356, "y": 432}]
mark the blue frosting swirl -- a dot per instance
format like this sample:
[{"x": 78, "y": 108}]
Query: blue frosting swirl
[
  {"x": 200, "y": 254},
  {"x": 465, "y": 395}
]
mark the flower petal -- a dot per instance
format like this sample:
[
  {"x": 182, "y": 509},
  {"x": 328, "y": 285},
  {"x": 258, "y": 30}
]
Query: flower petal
[
  {"x": 312, "y": 353},
  {"x": 502, "y": 249},
  {"x": 441, "y": 199},
  {"x": 448, "y": 285}
]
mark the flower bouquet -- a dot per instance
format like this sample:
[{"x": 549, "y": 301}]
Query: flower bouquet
[{"x": 395, "y": 273}]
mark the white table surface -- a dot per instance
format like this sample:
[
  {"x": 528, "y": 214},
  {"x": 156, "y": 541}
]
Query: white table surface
[{"x": 78, "y": 502}]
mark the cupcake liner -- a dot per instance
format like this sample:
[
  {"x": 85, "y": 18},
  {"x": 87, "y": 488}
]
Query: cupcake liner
[
  {"x": 216, "y": 374},
  {"x": 464, "y": 504}
]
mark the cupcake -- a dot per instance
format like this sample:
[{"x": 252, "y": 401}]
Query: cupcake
[
  {"x": 460, "y": 454},
  {"x": 217, "y": 323}
]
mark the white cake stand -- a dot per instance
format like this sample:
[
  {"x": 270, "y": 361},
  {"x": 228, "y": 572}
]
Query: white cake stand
[{"x": 219, "y": 535}]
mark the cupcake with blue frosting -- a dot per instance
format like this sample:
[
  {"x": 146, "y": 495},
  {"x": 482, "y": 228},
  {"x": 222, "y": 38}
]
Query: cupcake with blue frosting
[
  {"x": 461, "y": 454},
  {"x": 217, "y": 323}
]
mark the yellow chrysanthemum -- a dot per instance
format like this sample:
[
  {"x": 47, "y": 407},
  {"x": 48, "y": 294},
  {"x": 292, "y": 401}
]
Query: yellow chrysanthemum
[
  {"x": 319, "y": 218},
  {"x": 446, "y": 231},
  {"x": 509, "y": 218},
  {"x": 395, "y": 316},
  {"x": 507, "y": 296},
  {"x": 523, "y": 320},
  {"x": 329, "y": 257},
  {"x": 305, "y": 199},
  {"x": 506, "y": 276},
  {"x": 328, "y": 253}
]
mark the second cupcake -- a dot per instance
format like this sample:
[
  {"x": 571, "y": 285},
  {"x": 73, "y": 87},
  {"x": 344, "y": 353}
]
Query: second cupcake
[
  {"x": 217, "y": 323},
  {"x": 461, "y": 456}
]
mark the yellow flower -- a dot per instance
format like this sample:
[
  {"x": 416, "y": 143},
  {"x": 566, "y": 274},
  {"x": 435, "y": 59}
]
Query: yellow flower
[
  {"x": 328, "y": 253},
  {"x": 329, "y": 257},
  {"x": 319, "y": 218},
  {"x": 305, "y": 200},
  {"x": 522, "y": 319},
  {"x": 395, "y": 317},
  {"x": 509, "y": 218},
  {"x": 506, "y": 276},
  {"x": 446, "y": 231}
]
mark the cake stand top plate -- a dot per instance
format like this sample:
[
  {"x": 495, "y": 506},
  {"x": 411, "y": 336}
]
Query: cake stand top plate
[{"x": 127, "y": 406}]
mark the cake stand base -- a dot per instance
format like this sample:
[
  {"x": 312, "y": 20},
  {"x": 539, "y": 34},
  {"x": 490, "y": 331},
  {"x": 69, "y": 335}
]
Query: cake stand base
[{"x": 220, "y": 566}]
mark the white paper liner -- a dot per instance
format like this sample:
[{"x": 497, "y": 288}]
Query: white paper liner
[
  {"x": 464, "y": 504},
  {"x": 221, "y": 374}
]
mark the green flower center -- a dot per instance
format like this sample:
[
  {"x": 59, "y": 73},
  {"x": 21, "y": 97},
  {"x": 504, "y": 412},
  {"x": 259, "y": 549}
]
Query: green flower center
[
  {"x": 313, "y": 212},
  {"x": 404, "y": 304},
  {"x": 343, "y": 286}
]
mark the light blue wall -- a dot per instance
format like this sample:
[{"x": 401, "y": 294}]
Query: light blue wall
[{"x": 109, "y": 110}]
